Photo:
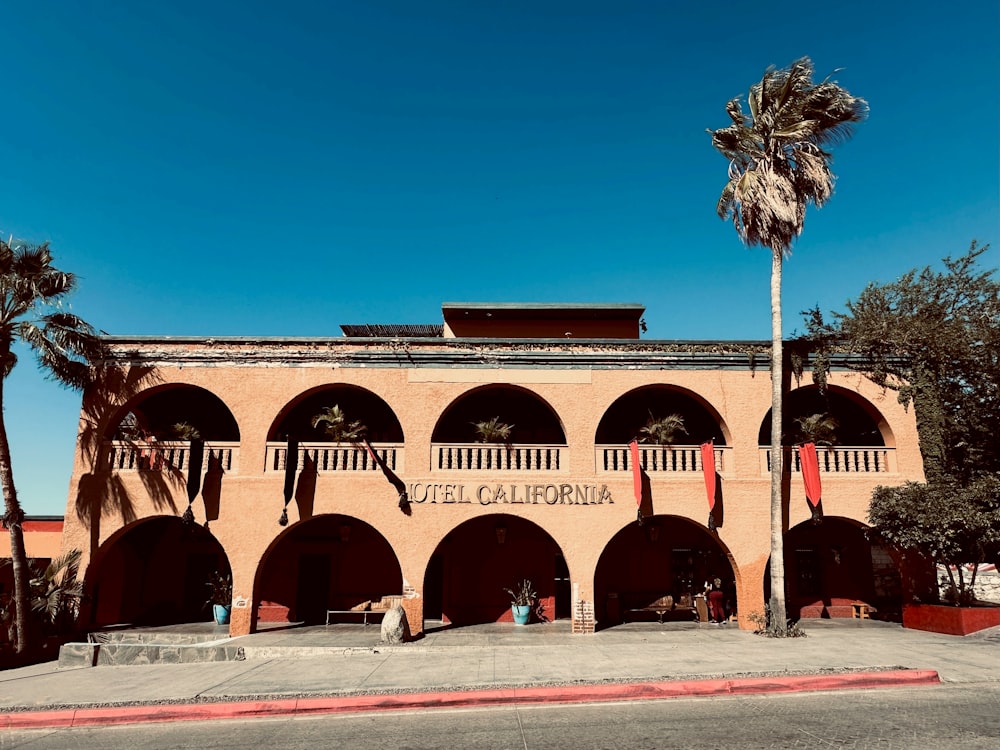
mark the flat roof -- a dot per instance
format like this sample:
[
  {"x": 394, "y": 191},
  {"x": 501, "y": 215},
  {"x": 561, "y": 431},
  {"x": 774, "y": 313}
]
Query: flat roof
[{"x": 543, "y": 310}]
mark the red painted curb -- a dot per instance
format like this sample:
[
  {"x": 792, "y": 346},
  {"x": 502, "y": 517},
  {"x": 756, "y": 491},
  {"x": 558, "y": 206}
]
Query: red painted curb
[{"x": 468, "y": 698}]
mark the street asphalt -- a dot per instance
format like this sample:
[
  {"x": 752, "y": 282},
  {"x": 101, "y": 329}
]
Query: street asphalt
[{"x": 343, "y": 668}]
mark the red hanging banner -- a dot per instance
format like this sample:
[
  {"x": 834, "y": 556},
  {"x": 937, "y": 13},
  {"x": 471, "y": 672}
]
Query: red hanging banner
[
  {"x": 708, "y": 466},
  {"x": 633, "y": 448},
  {"x": 810, "y": 473}
]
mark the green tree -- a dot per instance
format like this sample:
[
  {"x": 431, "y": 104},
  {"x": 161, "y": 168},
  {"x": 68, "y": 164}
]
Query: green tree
[
  {"x": 777, "y": 167},
  {"x": 31, "y": 290},
  {"x": 934, "y": 338},
  {"x": 944, "y": 522}
]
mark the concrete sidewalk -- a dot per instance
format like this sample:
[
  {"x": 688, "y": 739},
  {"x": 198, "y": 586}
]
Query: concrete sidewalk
[{"x": 342, "y": 668}]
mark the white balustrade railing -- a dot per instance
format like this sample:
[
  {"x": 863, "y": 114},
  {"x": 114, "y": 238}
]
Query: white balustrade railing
[
  {"x": 841, "y": 460},
  {"x": 493, "y": 457},
  {"x": 660, "y": 458},
  {"x": 166, "y": 455},
  {"x": 330, "y": 457}
]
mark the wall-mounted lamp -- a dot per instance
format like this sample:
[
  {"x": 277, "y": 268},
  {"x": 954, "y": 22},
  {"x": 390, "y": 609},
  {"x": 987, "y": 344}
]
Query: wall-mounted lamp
[
  {"x": 345, "y": 532},
  {"x": 501, "y": 531}
]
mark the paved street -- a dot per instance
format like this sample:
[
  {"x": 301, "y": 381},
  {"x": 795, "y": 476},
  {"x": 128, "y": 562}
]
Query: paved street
[
  {"x": 956, "y": 717},
  {"x": 339, "y": 669}
]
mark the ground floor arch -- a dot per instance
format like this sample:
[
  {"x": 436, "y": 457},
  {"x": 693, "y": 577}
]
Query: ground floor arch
[
  {"x": 471, "y": 567},
  {"x": 328, "y": 562},
  {"x": 153, "y": 572},
  {"x": 663, "y": 556},
  {"x": 831, "y": 566}
]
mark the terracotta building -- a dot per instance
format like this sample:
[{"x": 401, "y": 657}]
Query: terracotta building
[{"x": 207, "y": 459}]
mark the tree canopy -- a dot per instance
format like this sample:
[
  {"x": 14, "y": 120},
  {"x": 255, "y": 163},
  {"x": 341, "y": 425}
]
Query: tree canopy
[
  {"x": 933, "y": 337},
  {"x": 944, "y": 522}
]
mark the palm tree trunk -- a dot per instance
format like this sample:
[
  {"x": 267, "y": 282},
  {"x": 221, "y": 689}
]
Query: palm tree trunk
[
  {"x": 777, "y": 604},
  {"x": 13, "y": 518}
]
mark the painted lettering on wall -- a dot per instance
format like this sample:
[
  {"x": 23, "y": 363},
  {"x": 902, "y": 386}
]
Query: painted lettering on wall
[{"x": 513, "y": 494}]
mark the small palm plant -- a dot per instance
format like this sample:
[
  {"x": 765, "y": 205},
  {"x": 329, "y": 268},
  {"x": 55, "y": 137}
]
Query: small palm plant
[
  {"x": 56, "y": 592},
  {"x": 493, "y": 431},
  {"x": 338, "y": 427},
  {"x": 220, "y": 588},
  {"x": 820, "y": 429},
  {"x": 184, "y": 431},
  {"x": 523, "y": 594},
  {"x": 663, "y": 431}
]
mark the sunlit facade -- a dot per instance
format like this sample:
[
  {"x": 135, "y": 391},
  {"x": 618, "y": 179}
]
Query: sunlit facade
[{"x": 313, "y": 528}]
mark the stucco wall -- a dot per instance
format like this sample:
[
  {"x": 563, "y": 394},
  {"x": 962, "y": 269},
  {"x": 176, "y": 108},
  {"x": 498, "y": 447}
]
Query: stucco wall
[{"x": 257, "y": 388}]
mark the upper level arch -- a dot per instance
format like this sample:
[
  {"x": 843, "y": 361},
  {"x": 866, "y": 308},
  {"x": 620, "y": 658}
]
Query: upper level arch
[
  {"x": 857, "y": 422},
  {"x": 624, "y": 419},
  {"x": 532, "y": 420},
  {"x": 157, "y": 429},
  {"x": 294, "y": 421},
  {"x": 174, "y": 411}
]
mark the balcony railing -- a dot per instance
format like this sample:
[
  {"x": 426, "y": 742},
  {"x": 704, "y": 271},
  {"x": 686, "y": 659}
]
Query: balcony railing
[
  {"x": 166, "y": 455},
  {"x": 841, "y": 460},
  {"x": 334, "y": 457},
  {"x": 660, "y": 458},
  {"x": 491, "y": 457}
]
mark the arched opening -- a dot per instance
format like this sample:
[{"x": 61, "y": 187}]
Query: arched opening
[
  {"x": 626, "y": 417},
  {"x": 171, "y": 413},
  {"x": 357, "y": 404},
  {"x": 831, "y": 567},
  {"x": 855, "y": 421},
  {"x": 154, "y": 572},
  {"x": 532, "y": 421},
  {"x": 327, "y": 563},
  {"x": 469, "y": 571},
  {"x": 667, "y": 556}
]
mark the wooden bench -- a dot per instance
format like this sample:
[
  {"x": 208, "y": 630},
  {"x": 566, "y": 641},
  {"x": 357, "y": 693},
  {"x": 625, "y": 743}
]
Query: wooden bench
[
  {"x": 838, "y": 608},
  {"x": 662, "y": 606},
  {"x": 366, "y": 608}
]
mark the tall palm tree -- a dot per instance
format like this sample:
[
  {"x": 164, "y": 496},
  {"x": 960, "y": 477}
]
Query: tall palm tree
[
  {"x": 31, "y": 290},
  {"x": 777, "y": 167}
]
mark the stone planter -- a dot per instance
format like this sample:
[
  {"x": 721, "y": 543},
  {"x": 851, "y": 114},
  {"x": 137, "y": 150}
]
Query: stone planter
[{"x": 938, "y": 618}]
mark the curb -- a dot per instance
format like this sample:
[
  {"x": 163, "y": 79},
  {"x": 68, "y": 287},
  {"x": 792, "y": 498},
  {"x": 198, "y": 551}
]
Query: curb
[{"x": 70, "y": 717}]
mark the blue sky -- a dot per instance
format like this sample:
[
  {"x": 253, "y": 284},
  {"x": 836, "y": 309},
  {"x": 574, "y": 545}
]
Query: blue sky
[{"x": 225, "y": 168}]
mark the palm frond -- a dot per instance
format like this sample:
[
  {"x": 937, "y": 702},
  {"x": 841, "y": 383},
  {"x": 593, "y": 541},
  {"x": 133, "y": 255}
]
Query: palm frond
[
  {"x": 337, "y": 426},
  {"x": 493, "y": 431},
  {"x": 664, "y": 430},
  {"x": 777, "y": 165}
]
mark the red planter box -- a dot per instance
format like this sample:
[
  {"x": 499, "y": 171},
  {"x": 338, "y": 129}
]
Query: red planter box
[{"x": 938, "y": 618}]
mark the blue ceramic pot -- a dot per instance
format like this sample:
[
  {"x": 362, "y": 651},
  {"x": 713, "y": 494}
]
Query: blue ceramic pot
[{"x": 521, "y": 613}]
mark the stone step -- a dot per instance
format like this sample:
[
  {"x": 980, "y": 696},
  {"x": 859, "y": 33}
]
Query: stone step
[{"x": 118, "y": 653}]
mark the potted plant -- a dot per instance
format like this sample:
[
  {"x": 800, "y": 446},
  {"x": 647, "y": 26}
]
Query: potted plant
[
  {"x": 338, "y": 427},
  {"x": 819, "y": 429},
  {"x": 220, "y": 596},
  {"x": 663, "y": 431},
  {"x": 522, "y": 600},
  {"x": 493, "y": 431},
  {"x": 950, "y": 526}
]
